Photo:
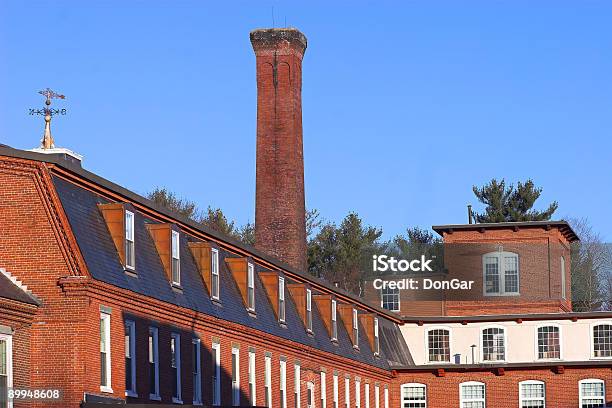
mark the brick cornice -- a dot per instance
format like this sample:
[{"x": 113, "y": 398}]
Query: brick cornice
[{"x": 17, "y": 311}]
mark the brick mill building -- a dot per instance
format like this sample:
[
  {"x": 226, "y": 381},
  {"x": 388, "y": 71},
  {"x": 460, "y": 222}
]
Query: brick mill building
[{"x": 112, "y": 299}]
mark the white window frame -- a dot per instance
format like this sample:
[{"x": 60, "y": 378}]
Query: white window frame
[
  {"x": 297, "y": 387},
  {"x": 537, "y": 349},
  {"x": 355, "y": 328},
  {"x": 335, "y": 391},
  {"x": 177, "y": 399},
  {"x": 130, "y": 262},
  {"x": 376, "y": 338},
  {"x": 282, "y": 308},
  {"x": 8, "y": 339},
  {"x": 347, "y": 392},
  {"x": 283, "y": 383},
  {"x": 581, "y": 397},
  {"x": 268, "y": 380},
  {"x": 482, "y": 354},
  {"x": 376, "y": 396},
  {"x": 500, "y": 255},
  {"x": 396, "y": 293},
  {"x": 252, "y": 378},
  {"x": 250, "y": 287},
  {"x": 130, "y": 347},
  {"x": 367, "y": 394},
  {"x": 523, "y": 398},
  {"x": 357, "y": 393},
  {"x": 462, "y": 398},
  {"x": 592, "y": 337},
  {"x": 450, "y": 344},
  {"x": 309, "y": 310},
  {"x": 563, "y": 280},
  {"x": 236, "y": 373},
  {"x": 105, "y": 319},
  {"x": 154, "y": 353},
  {"x": 323, "y": 389},
  {"x": 215, "y": 281},
  {"x": 197, "y": 386},
  {"x": 216, "y": 380},
  {"x": 413, "y": 385},
  {"x": 386, "y": 396},
  {"x": 334, "y": 320},
  {"x": 310, "y": 394},
  {"x": 175, "y": 254}
]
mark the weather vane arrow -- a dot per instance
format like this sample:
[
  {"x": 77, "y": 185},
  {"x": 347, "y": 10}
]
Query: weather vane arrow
[{"x": 47, "y": 140}]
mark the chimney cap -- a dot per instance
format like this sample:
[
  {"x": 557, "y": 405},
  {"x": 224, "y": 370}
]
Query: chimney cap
[{"x": 278, "y": 39}]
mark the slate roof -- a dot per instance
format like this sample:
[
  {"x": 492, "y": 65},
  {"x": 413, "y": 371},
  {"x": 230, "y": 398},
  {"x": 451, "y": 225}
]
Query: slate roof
[
  {"x": 102, "y": 259},
  {"x": 8, "y": 290}
]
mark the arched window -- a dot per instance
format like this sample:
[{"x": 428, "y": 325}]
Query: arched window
[
  {"x": 592, "y": 393},
  {"x": 472, "y": 394},
  {"x": 500, "y": 273},
  {"x": 549, "y": 342},
  {"x": 532, "y": 394},
  {"x": 602, "y": 340},
  {"x": 438, "y": 345},
  {"x": 414, "y": 395},
  {"x": 494, "y": 344}
]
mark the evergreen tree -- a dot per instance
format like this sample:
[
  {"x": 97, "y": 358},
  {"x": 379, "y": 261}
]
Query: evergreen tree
[{"x": 507, "y": 203}]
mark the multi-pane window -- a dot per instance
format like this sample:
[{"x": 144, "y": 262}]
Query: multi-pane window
[
  {"x": 501, "y": 273},
  {"x": 438, "y": 345},
  {"x": 176, "y": 259},
  {"x": 334, "y": 320},
  {"x": 175, "y": 365},
  {"x": 105, "y": 357},
  {"x": 235, "y": 376},
  {"x": 376, "y": 338},
  {"x": 309, "y": 310},
  {"x": 335, "y": 390},
  {"x": 130, "y": 257},
  {"x": 130, "y": 358},
  {"x": 549, "y": 342},
  {"x": 414, "y": 395},
  {"x": 153, "y": 364},
  {"x": 283, "y": 383},
  {"x": 592, "y": 393},
  {"x": 532, "y": 394},
  {"x": 602, "y": 340},
  {"x": 216, "y": 374},
  {"x": 563, "y": 284},
  {"x": 376, "y": 396},
  {"x": 281, "y": 299},
  {"x": 196, "y": 367},
  {"x": 472, "y": 395},
  {"x": 357, "y": 393},
  {"x": 323, "y": 389},
  {"x": 252, "y": 376},
  {"x": 6, "y": 369},
  {"x": 347, "y": 392},
  {"x": 367, "y": 395},
  {"x": 355, "y": 328},
  {"x": 297, "y": 385},
  {"x": 493, "y": 344},
  {"x": 214, "y": 273},
  {"x": 251, "y": 286},
  {"x": 268, "y": 381},
  {"x": 390, "y": 299}
]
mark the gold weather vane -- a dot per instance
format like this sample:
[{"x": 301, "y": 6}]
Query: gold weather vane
[{"x": 47, "y": 140}]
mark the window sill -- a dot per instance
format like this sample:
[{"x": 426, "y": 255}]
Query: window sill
[
  {"x": 106, "y": 389},
  {"x": 252, "y": 312},
  {"x": 177, "y": 401},
  {"x": 153, "y": 397},
  {"x": 130, "y": 393},
  {"x": 177, "y": 288},
  {"x": 501, "y": 294},
  {"x": 216, "y": 301},
  {"x": 130, "y": 272},
  {"x": 197, "y": 403}
]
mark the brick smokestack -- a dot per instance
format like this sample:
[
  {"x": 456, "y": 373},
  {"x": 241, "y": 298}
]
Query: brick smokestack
[{"x": 280, "y": 228}]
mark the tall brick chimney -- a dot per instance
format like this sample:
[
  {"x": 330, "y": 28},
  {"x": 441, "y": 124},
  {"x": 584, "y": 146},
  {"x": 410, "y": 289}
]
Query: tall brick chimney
[{"x": 280, "y": 228}]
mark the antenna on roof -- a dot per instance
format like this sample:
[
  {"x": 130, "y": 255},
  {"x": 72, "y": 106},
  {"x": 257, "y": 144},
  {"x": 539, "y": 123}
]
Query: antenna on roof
[{"x": 47, "y": 140}]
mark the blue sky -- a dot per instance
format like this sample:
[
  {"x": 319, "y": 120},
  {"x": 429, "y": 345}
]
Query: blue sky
[{"x": 406, "y": 105}]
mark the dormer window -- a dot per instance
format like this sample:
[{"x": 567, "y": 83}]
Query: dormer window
[
  {"x": 309, "y": 310},
  {"x": 214, "y": 272},
  {"x": 355, "y": 329},
  {"x": 281, "y": 299},
  {"x": 334, "y": 321},
  {"x": 250, "y": 286},
  {"x": 176, "y": 259},
  {"x": 376, "y": 338},
  {"x": 130, "y": 256}
]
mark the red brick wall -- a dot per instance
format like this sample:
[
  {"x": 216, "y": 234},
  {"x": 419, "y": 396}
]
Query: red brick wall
[
  {"x": 280, "y": 228},
  {"x": 503, "y": 391}
]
